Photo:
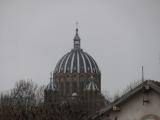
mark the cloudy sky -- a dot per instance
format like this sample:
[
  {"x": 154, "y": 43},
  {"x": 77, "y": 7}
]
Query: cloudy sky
[{"x": 121, "y": 35}]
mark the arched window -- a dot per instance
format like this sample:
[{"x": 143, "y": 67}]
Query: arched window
[
  {"x": 67, "y": 87},
  {"x": 74, "y": 86},
  {"x": 62, "y": 88}
]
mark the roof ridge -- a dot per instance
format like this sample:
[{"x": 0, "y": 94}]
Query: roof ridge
[{"x": 151, "y": 83}]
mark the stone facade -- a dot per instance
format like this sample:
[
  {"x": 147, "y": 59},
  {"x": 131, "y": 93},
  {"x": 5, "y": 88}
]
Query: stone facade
[{"x": 69, "y": 83}]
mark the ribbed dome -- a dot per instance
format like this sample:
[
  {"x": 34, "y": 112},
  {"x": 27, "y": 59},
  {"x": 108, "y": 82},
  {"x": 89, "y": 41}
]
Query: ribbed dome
[{"x": 77, "y": 61}]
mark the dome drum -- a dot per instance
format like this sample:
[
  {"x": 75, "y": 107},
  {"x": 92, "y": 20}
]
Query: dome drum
[{"x": 65, "y": 84}]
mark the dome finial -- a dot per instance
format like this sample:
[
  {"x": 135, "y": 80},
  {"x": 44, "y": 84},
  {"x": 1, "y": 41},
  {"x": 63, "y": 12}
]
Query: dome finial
[
  {"x": 76, "y": 27},
  {"x": 76, "y": 38}
]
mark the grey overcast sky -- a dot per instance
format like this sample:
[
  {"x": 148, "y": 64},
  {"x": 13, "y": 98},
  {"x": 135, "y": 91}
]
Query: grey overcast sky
[{"x": 121, "y": 35}]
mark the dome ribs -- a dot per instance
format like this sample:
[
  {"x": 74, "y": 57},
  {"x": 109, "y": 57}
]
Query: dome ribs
[
  {"x": 84, "y": 63},
  {"x": 90, "y": 68},
  {"x": 95, "y": 64},
  {"x": 72, "y": 61},
  {"x": 65, "y": 66},
  {"x": 59, "y": 63},
  {"x": 75, "y": 67},
  {"x": 68, "y": 64},
  {"x": 77, "y": 61},
  {"x": 94, "y": 69},
  {"x": 81, "y": 63},
  {"x": 78, "y": 64},
  {"x": 61, "y": 69}
]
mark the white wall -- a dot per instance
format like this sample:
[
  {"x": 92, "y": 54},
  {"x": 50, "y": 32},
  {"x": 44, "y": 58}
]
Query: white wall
[{"x": 134, "y": 109}]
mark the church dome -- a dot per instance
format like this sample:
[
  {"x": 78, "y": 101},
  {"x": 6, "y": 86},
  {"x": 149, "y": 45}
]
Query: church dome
[
  {"x": 74, "y": 70},
  {"x": 77, "y": 61}
]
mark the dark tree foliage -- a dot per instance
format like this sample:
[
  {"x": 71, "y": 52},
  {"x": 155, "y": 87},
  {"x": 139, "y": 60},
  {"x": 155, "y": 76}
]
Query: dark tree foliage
[{"x": 25, "y": 102}]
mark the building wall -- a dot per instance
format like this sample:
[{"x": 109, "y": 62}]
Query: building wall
[
  {"x": 135, "y": 109},
  {"x": 69, "y": 83}
]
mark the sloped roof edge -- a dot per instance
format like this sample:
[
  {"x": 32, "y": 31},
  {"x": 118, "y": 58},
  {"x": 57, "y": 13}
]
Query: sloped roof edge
[{"x": 155, "y": 85}]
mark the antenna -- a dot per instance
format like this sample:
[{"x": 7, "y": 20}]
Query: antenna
[{"x": 142, "y": 74}]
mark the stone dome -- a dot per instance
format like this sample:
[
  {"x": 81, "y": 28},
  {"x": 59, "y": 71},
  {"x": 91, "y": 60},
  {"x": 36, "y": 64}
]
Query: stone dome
[{"x": 76, "y": 61}]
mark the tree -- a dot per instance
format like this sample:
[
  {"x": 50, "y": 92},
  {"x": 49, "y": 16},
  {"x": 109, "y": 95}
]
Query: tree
[
  {"x": 23, "y": 94},
  {"x": 40, "y": 94},
  {"x": 25, "y": 102}
]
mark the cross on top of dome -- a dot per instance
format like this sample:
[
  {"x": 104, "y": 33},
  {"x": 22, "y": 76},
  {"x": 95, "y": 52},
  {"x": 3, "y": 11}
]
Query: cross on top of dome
[{"x": 76, "y": 39}]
